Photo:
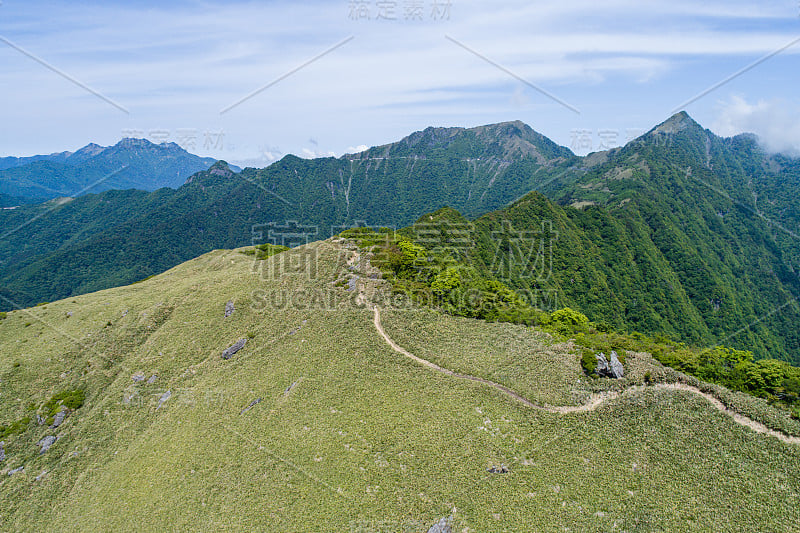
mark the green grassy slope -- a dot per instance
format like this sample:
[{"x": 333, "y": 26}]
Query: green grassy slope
[{"x": 365, "y": 440}]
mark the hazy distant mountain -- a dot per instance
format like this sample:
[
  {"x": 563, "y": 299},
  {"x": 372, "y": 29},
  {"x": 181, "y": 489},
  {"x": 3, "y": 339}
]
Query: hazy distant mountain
[{"x": 130, "y": 164}]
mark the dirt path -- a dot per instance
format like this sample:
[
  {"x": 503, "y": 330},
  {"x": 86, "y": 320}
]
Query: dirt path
[{"x": 596, "y": 400}]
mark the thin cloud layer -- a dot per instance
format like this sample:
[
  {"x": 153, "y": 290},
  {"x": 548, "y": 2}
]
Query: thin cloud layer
[{"x": 775, "y": 122}]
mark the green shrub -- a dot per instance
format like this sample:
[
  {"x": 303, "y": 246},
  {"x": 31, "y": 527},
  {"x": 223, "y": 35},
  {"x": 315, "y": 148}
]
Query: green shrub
[
  {"x": 602, "y": 327},
  {"x": 3, "y": 315},
  {"x": 445, "y": 281},
  {"x": 589, "y": 361},
  {"x": 15, "y": 428},
  {"x": 266, "y": 250},
  {"x": 72, "y": 399},
  {"x": 566, "y": 321}
]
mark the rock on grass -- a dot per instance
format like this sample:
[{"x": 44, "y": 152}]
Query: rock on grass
[{"x": 228, "y": 353}]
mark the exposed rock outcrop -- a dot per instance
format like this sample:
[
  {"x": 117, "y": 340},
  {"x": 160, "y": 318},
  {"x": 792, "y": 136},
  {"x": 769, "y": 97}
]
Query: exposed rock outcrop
[
  {"x": 609, "y": 369},
  {"x": 228, "y": 353},
  {"x": 46, "y": 442},
  {"x": 164, "y": 397},
  {"x": 617, "y": 370},
  {"x": 59, "y": 418},
  {"x": 442, "y": 526},
  {"x": 252, "y": 404}
]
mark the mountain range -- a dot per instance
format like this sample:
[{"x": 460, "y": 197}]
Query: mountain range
[
  {"x": 679, "y": 232},
  {"x": 129, "y": 164}
]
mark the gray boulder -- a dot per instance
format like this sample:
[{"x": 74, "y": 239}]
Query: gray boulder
[
  {"x": 16, "y": 470},
  {"x": 46, "y": 442},
  {"x": 442, "y": 526},
  {"x": 2, "y": 452},
  {"x": 229, "y": 308},
  {"x": 59, "y": 418},
  {"x": 609, "y": 369},
  {"x": 602, "y": 364},
  {"x": 164, "y": 397},
  {"x": 228, "y": 353},
  {"x": 152, "y": 379},
  {"x": 615, "y": 367},
  {"x": 252, "y": 404}
]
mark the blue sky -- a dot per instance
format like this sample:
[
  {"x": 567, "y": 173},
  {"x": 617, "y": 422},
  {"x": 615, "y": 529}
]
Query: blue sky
[{"x": 587, "y": 74}]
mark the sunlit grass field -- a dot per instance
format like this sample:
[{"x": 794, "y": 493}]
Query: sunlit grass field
[{"x": 349, "y": 435}]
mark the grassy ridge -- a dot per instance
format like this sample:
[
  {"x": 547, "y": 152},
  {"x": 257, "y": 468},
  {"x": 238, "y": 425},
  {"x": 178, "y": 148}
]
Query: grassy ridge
[{"x": 365, "y": 440}]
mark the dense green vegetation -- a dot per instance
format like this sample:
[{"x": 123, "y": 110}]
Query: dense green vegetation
[
  {"x": 115, "y": 238},
  {"x": 15, "y": 428},
  {"x": 71, "y": 399},
  {"x": 264, "y": 251}
]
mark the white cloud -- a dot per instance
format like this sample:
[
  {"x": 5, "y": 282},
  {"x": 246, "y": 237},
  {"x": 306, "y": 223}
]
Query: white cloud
[
  {"x": 357, "y": 149},
  {"x": 776, "y": 122},
  {"x": 311, "y": 154}
]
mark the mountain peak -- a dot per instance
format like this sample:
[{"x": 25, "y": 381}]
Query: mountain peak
[
  {"x": 132, "y": 142},
  {"x": 504, "y": 126},
  {"x": 219, "y": 168},
  {"x": 508, "y": 141},
  {"x": 677, "y": 122},
  {"x": 90, "y": 150}
]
